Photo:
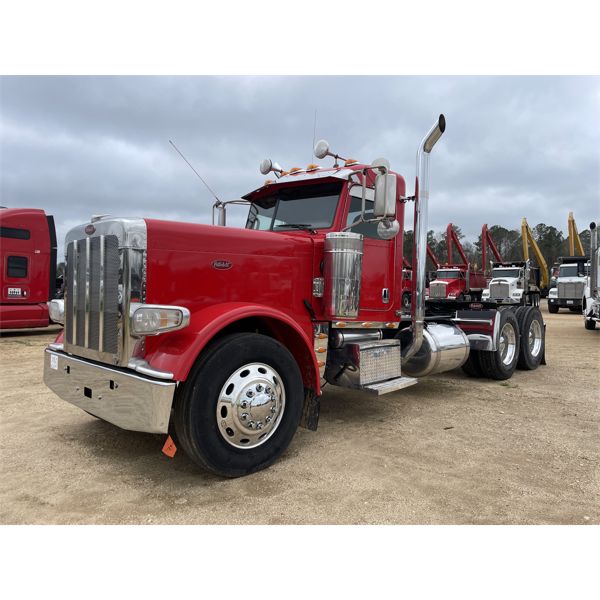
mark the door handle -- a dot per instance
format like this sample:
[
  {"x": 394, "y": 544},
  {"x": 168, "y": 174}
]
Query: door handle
[{"x": 385, "y": 295}]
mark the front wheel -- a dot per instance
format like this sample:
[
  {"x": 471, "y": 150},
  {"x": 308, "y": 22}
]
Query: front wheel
[
  {"x": 552, "y": 308},
  {"x": 241, "y": 405},
  {"x": 590, "y": 324}
]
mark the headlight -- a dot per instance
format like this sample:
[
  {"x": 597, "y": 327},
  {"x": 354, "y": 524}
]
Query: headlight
[
  {"x": 151, "y": 319},
  {"x": 56, "y": 308}
]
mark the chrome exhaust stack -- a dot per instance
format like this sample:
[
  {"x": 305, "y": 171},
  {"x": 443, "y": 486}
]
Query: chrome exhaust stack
[{"x": 420, "y": 237}]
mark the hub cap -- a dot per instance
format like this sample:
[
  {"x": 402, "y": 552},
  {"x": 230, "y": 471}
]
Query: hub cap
[
  {"x": 250, "y": 406},
  {"x": 535, "y": 338},
  {"x": 508, "y": 344}
]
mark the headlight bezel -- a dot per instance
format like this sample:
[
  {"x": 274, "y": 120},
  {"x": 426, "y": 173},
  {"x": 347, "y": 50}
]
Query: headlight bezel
[{"x": 159, "y": 319}]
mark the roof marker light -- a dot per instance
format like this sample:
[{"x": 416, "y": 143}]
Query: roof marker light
[
  {"x": 295, "y": 170},
  {"x": 312, "y": 168},
  {"x": 350, "y": 161}
]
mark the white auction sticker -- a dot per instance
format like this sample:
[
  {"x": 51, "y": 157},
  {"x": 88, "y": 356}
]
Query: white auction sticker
[{"x": 54, "y": 362}]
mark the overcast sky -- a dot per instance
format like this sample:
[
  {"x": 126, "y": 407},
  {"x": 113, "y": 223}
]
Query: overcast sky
[{"x": 513, "y": 147}]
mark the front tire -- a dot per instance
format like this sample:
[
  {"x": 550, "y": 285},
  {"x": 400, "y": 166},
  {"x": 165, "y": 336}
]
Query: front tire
[
  {"x": 552, "y": 308},
  {"x": 240, "y": 407},
  {"x": 590, "y": 324},
  {"x": 501, "y": 363}
]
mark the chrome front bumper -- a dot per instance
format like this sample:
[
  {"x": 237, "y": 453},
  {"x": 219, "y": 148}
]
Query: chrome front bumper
[{"x": 127, "y": 400}]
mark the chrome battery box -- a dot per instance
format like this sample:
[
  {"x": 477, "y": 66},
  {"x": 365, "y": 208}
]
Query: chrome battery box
[{"x": 359, "y": 364}]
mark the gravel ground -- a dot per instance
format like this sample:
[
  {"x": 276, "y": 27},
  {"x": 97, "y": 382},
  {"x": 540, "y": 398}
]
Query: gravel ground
[{"x": 449, "y": 450}]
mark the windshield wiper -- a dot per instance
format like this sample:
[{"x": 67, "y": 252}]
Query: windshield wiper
[{"x": 304, "y": 226}]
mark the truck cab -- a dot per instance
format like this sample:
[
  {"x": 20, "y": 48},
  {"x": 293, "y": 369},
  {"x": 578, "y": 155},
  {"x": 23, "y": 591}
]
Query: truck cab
[
  {"x": 27, "y": 267},
  {"x": 570, "y": 284},
  {"x": 513, "y": 283}
]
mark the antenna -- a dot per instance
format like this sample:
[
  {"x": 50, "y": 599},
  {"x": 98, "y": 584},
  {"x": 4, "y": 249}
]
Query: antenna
[
  {"x": 192, "y": 168},
  {"x": 314, "y": 136}
]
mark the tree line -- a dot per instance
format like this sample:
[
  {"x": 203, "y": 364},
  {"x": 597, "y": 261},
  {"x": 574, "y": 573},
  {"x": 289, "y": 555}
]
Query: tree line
[{"x": 551, "y": 241}]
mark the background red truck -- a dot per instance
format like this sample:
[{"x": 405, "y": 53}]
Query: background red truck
[
  {"x": 461, "y": 280},
  {"x": 227, "y": 335},
  {"x": 28, "y": 275}
]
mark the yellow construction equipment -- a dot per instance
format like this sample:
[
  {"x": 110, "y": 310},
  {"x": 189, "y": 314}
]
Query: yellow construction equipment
[
  {"x": 574, "y": 239},
  {"x": 529, "y": 240}
]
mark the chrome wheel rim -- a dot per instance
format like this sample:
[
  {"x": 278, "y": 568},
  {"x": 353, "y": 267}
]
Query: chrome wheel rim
[
  {"x": 250, "y": 406},
  {"x": 535, "y": 338},
  {"x": 508, "y": 344}
]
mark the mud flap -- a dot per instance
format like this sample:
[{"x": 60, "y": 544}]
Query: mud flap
[
  {"x": 310, "y": 410},
  {"x": 543, "y": 361}
]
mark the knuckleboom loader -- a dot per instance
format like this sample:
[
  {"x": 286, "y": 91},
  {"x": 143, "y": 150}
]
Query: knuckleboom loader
[
  {"x": 228, "y": 334},
  {"x": 591, "y": 293}
]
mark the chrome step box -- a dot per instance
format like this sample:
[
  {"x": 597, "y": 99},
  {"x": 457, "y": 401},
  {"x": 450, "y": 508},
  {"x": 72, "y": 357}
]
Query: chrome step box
[{"x": 360, "y": 364}]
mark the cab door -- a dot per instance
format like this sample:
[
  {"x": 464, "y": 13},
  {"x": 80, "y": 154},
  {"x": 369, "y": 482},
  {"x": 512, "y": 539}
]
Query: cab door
[{"x": 377, "y": 281}]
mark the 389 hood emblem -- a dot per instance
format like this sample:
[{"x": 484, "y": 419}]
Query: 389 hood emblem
[{"x": 221, "y": 264}]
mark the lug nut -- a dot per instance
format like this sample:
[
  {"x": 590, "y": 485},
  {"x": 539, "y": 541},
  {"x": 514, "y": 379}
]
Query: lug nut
[
  {"x": 251, "y": 424},
  {"x": 259, "y": 388},
  {"x": 249, "y": 393},
  {"x": 244, "y": 404},
  {"x": 259, "y": 425},
  {"x": 268, "y": 390},
  {"x": 268, "y": 419},
  {"x": 244, "y": 416},
  {"x": 273, "y": 409}
]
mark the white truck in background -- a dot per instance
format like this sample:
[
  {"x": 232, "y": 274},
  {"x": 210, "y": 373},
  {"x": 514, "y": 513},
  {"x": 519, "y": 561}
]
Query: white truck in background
[
  {"x": 570, "y": 284},
  {"x": 513, "y": 282},
  {"x": 591, "y": 295}
]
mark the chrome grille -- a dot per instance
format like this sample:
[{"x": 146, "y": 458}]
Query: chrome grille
[
  {"x": 499, "y": 290},
  {"x": 571, "y": 289},
  {"x": 437, "y": 290},
  {"x": 92, "y": 295}
]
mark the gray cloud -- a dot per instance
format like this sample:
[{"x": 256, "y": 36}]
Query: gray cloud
[{"x": 514, "y": 146}]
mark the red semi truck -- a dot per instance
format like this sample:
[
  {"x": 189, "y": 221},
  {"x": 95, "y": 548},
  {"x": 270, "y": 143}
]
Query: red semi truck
[
  {"x": 28, "y": 276},
  {"x": 460, "y": 281},
  {"x": 229, "y": 334}
]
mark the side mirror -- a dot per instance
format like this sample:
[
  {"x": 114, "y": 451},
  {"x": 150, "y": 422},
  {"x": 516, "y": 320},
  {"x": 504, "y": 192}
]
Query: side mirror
[
  {"x": 385, "y": 195},
  {"x": 388, "y": 229}
]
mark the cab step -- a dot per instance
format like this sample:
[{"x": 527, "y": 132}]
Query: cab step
[{"x": 391, "y": 385}]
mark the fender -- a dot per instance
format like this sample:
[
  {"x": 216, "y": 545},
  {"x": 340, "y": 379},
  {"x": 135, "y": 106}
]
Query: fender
[{"x": 176, "y": 352}]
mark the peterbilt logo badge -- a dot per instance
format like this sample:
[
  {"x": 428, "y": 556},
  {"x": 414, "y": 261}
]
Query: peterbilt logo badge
[
  {"x": 89, "y": 229},
  {"x": 221, "y": 264}
]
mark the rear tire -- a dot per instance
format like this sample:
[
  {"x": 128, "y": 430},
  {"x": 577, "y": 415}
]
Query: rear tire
[
  {"x": 552, "y": 308},
  {"x": 472, "y": 367},
  {"x": 241, "y": 405},
  {"x": 590, "y": 324},
  {"x": 533, "y": 340},
  {"x": 501, "y": 364},
  {"x": 575, "y": 309}
]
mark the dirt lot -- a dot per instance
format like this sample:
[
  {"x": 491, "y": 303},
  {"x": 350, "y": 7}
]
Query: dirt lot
[{"x": 448, "y": 450}]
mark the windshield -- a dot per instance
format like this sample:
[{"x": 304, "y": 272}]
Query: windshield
[
  {"x": 304, "y": 207},
  {"x": 506, "y": 272},
  {"x": 445, "y": 274},
  {"x": 568, "y": 271}
]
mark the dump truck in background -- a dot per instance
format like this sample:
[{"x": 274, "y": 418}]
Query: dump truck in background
[
  {"x": 228, "y": 334},
  {"x": 28, "y": 274}
]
